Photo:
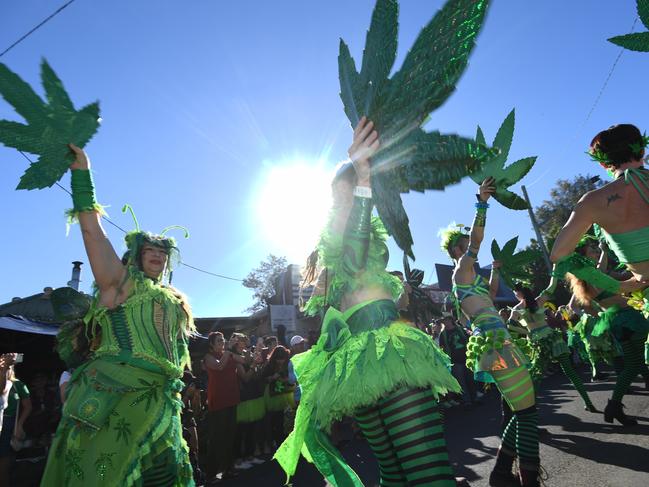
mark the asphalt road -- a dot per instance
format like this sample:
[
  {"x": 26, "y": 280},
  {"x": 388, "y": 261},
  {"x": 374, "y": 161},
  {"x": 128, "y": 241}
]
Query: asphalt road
[{"x": 580, "y": 449}]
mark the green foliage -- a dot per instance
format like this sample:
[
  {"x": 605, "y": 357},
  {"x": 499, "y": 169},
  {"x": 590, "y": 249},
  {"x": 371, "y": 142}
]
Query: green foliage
[
  {"x": 50, "y": 126},
  {"x": 514, "y": 263},
  {"x": 410, "y": 158},
  {"x": 553, "y": 213},
  {"x": 262, "y": 279},
  {"x": 495, "y": 167},
  {"x": 638, "y": 41}
]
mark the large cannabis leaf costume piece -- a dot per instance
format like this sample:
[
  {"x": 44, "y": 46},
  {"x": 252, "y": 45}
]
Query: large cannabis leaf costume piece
[
  {"x": 638, "y": 41},
  {"x": 495, "y": 167},
  {"x": 513, "y": 263},
  {"x": 50, "y": 126},
  {"x": 410, "y": 158}
]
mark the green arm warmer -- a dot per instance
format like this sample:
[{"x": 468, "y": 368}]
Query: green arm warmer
[
  {"x": 585, "y": 270},
  {"x": 83, "y": 195},
  {"x": 356, "y": 239}
]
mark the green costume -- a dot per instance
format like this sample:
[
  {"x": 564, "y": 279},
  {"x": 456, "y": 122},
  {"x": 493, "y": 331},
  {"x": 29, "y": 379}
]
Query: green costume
[
  {"x": 121, "y": 419},
  {"x": 369, "y": 364},
  {"x": 548, "y": 345},
  {"x": 600, "y": 347}
]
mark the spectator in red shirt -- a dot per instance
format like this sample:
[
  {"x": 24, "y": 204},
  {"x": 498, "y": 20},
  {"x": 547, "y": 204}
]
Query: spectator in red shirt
[{"x": 222, "y": 400}]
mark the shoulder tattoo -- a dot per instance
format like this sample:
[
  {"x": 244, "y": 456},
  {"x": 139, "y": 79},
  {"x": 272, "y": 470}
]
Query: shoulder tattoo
[{"x": 612, "y": 198}]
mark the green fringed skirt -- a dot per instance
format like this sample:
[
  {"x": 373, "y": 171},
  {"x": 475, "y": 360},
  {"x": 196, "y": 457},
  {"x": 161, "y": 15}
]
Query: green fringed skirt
[
  {"x": 622, "y": 323},
  {"x": 360, "y": 357},
  {"x": 251, "y": 410},
  {"x": 120, "y": 427}
]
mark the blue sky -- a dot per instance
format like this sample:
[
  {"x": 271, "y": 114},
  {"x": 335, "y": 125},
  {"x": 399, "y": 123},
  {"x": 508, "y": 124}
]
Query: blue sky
[{"x": 202, "y": 100}]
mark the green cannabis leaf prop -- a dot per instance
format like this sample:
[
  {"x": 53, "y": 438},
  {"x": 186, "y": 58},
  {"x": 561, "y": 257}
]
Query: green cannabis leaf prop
[
  {"x": 638, "y": 41},
  {"x": 410, "y": 158},
  {"x": 50, "y": 126},
  {"x": 495, "y": 167},
  {"x": 513, "y": 263}
]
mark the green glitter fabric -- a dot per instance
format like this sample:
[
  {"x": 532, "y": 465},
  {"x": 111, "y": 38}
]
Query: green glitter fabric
[
  {"x": 411, "y": 159},
  {"x": 50, "y": 126}
]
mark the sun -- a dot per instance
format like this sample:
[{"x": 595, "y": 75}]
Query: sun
[{"x": 293, "y": 205}]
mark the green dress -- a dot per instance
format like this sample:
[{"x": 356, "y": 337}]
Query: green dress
[{"x": 121, "y": 419}]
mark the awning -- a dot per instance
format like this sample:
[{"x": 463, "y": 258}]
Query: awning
[{"x": 18, "y": 323}]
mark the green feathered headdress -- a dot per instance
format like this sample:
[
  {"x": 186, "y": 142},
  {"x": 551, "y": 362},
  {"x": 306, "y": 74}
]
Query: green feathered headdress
[{"x": 451, "y": 235}]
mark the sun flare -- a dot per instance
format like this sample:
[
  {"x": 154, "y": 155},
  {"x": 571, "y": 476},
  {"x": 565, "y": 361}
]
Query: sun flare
[{"x": 292, "y": 206}]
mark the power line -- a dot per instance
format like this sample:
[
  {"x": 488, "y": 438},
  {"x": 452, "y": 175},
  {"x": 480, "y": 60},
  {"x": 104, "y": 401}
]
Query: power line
[
  {"x": 105, "y": 218},
  {"x": 608, "y": 78},
  {"x": 36, "y": 28}
]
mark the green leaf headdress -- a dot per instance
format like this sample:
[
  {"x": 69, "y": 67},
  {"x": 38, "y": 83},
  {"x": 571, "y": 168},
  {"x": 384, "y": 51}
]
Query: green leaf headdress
[
  {"x": 136, "y": 239},
  {"x": 598, "y": 155},
  {"x": 638, "y": 41},
  {"x": 410, "y": 158},
  {"x": 450, "y": 236},
  {"x": 514, "y": 263},
  {"x": 50, "y": 126},
  {"x": 495, "y": 167}
]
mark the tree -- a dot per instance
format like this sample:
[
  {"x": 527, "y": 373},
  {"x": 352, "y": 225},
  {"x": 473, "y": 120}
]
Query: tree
[
  {"x": 261, "y": 281},
  {"x": 554, "y": 213}
]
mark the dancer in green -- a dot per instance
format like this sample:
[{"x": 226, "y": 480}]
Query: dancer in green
[
  {"x": 121, "y": 420},
  {"x": 367, "y": 363},
  {"x": 547, "y": 343},
  {"x": 492, "y": 353},
  {"x": 617, "y": 322},
  {"x": 619, "y": 209}
]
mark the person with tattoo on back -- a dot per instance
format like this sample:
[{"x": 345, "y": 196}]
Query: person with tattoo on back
[{"x": 619, "y": 211}]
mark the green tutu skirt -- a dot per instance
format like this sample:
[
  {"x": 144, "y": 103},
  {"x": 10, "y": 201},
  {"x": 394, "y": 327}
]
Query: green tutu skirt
[
  {"x": 360, "y": 357},
  {"x": 120, "y": 427},
  {"x": 251, "y": 410}
]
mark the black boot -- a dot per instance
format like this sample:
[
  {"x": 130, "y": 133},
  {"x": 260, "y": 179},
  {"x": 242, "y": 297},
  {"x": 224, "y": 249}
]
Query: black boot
[
  {"x": 530, "y": 477},
  {"x": 615, "y": 410},
  {"x": 591, "y": 408},
  {"x": 501, "y": 475}
]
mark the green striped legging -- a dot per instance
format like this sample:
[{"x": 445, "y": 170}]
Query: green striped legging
[{"x": 406, "y": 434}]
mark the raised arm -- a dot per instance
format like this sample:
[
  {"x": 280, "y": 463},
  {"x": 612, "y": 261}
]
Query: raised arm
[
  {"x": 464, "y": 269},
  {"x": 356, "y": 238},
  {"x": 106, "y": 265}
]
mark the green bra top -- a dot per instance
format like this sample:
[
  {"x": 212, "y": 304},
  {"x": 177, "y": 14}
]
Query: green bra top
[{"x": 632, "y": 246}]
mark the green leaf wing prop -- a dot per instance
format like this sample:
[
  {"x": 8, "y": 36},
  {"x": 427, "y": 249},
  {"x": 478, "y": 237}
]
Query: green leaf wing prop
[
  {"x": 50, "y": 126},
  {"x": 410, "y": 158},
  {"x": 513, "y": 263},
  {"x": 495, "y": 167},
  {"x": 638, "y": 41}
]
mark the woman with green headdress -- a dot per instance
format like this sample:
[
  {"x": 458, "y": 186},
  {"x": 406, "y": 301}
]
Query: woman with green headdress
[
  {"x": 619, "y": 209},
  {"x": 492, "y": 353},
  {"x": 121, "y": 419},
  {"x": 547, "y": 343},
  {"x": 614, "y": 325},
  {"x": 367, "y": 363}
]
